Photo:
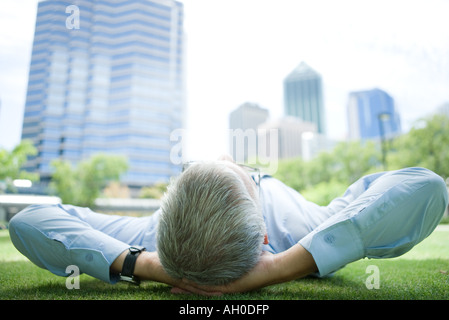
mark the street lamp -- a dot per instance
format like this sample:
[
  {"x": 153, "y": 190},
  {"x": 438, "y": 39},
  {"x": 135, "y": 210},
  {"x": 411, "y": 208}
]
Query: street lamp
[{"x": 383, "y": 117}]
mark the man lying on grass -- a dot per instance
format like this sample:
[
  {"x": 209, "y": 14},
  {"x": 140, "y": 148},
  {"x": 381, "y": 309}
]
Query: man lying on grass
[{"x": 223, "y": 227}]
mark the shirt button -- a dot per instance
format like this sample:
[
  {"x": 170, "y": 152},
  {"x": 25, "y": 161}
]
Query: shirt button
[{"x": 329, "y": 239}]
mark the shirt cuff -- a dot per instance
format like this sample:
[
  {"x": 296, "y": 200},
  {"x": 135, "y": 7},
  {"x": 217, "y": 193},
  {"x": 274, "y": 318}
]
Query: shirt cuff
[
  {"x": 97, "y": 262},
  {"x": 334, "y": 246}
]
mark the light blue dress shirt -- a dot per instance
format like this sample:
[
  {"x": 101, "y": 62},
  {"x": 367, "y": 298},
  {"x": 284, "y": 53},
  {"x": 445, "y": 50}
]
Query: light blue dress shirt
[{"x": 380, "y": 216}]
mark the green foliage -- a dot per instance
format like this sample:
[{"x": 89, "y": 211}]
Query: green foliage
[
  {"x": 324, "y": 192},
  {"x": 329, "y": 174},
  {"x": 426, "y": 145},
  {"x": 11, "y": 163},
  {"x": 293, "y": 173},
  {"x": 83, "y": 184},
  {"x": 64, "y": 181},
  {"x": 155, "y": 191}
]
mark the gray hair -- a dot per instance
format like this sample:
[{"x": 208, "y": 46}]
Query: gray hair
[{"x": 211, "y": 231}]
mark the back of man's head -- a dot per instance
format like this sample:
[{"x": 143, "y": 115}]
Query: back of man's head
[{"x": 211, "y": 231}]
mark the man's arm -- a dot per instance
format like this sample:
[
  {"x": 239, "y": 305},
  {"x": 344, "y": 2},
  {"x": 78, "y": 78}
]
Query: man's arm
[
  {"x": 291, "y": 264},
  {"x": 149, "y": 267}
]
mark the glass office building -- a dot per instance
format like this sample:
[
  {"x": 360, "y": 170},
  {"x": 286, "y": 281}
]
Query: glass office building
[
  {"x": 106, "y": 76},
  {"x": 303, "y": 96},
  {"x": 372, "y": 115}
]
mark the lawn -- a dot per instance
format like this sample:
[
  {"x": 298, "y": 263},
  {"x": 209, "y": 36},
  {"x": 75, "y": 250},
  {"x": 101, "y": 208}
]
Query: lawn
[{"x": 422, "y": 273}]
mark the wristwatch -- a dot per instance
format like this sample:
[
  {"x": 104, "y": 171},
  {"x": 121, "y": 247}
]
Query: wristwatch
[{"x": 129, "y": 264}]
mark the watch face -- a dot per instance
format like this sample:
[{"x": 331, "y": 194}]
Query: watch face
[{"x": 135, "y": 250}]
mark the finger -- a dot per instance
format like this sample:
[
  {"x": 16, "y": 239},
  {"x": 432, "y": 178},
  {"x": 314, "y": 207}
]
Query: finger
[
  {"x": 206, "y": 288},
  {"x": 177, "y": 290},
  {"x": 202, "y": 292}
]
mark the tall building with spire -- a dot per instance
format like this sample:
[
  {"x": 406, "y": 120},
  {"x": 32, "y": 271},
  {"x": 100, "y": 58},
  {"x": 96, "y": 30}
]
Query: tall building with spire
[
  {"x": 303, "y": 96},
  {"x": 106, "y": 76}
]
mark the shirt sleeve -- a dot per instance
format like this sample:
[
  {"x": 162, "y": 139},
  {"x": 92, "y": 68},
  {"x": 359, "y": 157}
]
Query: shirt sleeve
[
  {"x": 395, "y": 212},
  {"x": 333, "y": 245},
  {"x": 53, "y": 239}
]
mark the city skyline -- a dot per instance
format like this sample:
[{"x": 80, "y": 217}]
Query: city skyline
[{"x": 230, "y": 61}]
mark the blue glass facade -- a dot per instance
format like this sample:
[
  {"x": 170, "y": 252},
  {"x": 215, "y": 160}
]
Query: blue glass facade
[
  {"x": 114, "y": 84},
  {"x": 371, "y": 114}
]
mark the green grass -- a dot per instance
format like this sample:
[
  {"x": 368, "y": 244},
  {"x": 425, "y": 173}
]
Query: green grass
[{"x": 423, "y": 273}]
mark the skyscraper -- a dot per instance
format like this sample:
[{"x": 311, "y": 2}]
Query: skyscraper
[
  {"x": 303, "y": 96},
  {"x": 292, "y": 136},
  {"x": 106, "y": 76},
  {"x": 243, "y": 143},
  {"x": 372, "y": 115}
]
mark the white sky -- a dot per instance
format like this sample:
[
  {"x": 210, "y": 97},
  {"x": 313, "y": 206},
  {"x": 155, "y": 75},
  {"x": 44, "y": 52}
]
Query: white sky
[{"x": 241, "y": 50}]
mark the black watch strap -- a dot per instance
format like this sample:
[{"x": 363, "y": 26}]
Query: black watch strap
[{"x": 129, "y": 264}]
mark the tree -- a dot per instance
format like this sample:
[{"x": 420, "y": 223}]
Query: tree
[
  {"x": 11, "y": 163},
  {"x": 354, "y": 159},
  {"x": 155, "y": 191},
  {"x": 426, "y": 145},
  {"x": 347, "y": 162},
  {"x": 324, "y": 192},
  {"x": 293, "y": 173},
  {"x": 327, "y": 176},
  {"x": 65, "y": 182},
  {"x": 83, "y": 184}
]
